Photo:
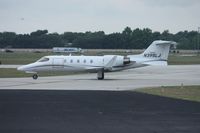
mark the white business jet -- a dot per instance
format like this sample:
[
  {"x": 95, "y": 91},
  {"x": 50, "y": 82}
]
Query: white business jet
[{"x": 155, "y": 54}]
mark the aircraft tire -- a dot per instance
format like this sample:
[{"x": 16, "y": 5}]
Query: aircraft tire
[
  {"x": 100, "y": 75},
  {"x": 35, "y": 76}
]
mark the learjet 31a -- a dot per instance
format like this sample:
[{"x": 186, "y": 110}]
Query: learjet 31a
[{"x": 156, "y": 54}]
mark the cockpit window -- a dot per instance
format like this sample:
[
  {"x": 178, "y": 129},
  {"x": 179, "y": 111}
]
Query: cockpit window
[{"x": 44, "y": 59}]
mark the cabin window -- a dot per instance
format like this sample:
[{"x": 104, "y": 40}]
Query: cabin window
[
  {"x": 44, "y": 59},
  {"x": 84, "y": 61},
  {"x": 71, "y": 61},
  {"x": 91, "y": 61},
  {"x": 78, "y": 61}
]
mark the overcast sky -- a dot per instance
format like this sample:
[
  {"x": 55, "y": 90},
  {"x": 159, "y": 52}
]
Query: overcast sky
[{"x": 25, "y": 16}]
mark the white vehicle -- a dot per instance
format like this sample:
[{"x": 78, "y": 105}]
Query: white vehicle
[
  {"x": 155, "y": 54},
  {"x": 66, "y": 50}
]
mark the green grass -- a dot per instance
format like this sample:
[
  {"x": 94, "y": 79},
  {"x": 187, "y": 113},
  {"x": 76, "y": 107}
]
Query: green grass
[
  {"x": 183, "y": 60},
  {"x": 191, "y": 93},
  {"x": 13, "y": 73},
  {"x": 20, "y": 57}
]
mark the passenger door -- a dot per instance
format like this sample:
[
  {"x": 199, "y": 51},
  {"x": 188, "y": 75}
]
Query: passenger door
[{"x": 58, "y": 63}]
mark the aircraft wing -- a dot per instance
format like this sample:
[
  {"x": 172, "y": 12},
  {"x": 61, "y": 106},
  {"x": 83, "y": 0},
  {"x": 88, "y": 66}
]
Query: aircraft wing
[
  {"x": 108, "y": 66},
  {"x": 111, "y": 63}
]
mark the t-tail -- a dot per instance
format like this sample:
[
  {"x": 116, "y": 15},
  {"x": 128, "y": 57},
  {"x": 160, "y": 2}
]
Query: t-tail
[{"x": 156, "y": 54}]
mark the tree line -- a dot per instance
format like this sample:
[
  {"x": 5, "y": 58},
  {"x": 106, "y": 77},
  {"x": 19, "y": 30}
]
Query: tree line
[{"x": 127, "y": 39}]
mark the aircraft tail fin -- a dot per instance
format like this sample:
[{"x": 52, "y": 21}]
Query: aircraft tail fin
[{"x": 158, "y": 50}]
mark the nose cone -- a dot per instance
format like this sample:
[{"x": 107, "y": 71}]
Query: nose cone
[
  {"x": 27, "y": 68},
  {"x": 21, "y": 68}
]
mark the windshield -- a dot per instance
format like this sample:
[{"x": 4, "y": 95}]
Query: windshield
[{"x": 43, "y": 59}]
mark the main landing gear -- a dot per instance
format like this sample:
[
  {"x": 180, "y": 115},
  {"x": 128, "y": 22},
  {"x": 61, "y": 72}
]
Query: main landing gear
[
  {"x": 35, "y": 76},
  {"x": 100, "y": 74}
]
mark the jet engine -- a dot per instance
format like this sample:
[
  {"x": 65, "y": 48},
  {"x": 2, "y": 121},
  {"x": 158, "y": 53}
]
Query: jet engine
[
  {"x": 116, "y": 60},
  {"x": 126, "y": 60}
]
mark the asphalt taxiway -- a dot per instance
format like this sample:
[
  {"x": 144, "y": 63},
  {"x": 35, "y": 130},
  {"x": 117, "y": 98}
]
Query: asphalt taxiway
[
  {"x": 61, "y": 111},
  {"x": 174, "y": 75}
]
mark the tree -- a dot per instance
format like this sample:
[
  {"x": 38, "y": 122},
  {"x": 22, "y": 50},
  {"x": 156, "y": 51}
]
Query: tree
[
  {"x": 39, "y": 32},
  {"x": 7, "y": 39},
  {"x": 127, "y": 39}
]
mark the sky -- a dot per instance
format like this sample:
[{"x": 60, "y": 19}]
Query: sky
[{"x": 26, "y": 16}]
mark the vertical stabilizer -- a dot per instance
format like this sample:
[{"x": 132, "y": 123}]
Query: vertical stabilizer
[{"x": 158, "y": 50}]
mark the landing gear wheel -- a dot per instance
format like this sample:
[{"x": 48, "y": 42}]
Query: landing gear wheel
[
  {"x": 100, "y": 74},
  {"x": 35, "y": 76}
]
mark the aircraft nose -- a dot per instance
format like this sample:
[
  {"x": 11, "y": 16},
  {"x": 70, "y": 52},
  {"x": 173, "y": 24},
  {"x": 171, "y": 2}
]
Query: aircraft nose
[{"x": 21, "y": 68}]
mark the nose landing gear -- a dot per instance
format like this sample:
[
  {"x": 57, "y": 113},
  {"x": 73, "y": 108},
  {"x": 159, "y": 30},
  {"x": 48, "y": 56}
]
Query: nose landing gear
[{"x": 35, "y": 76}]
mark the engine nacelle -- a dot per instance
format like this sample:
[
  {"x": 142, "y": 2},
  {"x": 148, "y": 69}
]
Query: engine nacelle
[
  {"x": 126, "y": 60},
  {"x": 119, "y": 61}
]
